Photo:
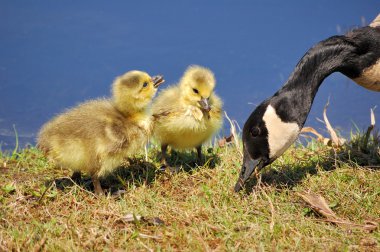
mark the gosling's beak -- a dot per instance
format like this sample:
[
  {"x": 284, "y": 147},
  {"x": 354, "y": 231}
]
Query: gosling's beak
[
  {"x": 249, "y": 166},
  {"x": 205, "y": 104},
  {"x": 158, "y": 80}
]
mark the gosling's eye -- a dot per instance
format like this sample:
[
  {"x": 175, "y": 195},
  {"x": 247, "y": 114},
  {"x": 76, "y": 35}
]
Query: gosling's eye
[
  {"x": 195, "y": 90},
  {"x": 145, "y": 84}
]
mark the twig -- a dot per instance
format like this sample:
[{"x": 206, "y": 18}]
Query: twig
[{"x": 47, "y": 189}]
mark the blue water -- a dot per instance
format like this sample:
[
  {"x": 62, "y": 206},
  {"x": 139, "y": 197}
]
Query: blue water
[{"x": 54, "y": 55}]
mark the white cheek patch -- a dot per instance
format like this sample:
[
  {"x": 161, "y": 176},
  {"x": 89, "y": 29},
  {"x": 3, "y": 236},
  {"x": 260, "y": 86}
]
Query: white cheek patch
[
  {"x": 280, "y": 134},
  {"x": 370, "y": 78}
]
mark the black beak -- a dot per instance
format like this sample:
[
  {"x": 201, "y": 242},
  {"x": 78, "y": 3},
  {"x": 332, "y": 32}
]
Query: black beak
[
  {"x": 249, "y": 166},
  {"x": 205, "y": 104},
  {"x": 158, "y": 80}
]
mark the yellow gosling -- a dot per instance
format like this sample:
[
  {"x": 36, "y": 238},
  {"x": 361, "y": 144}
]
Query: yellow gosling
[
  {"x": 188, "y": 114},
  {"x": 97, "y": 135}
]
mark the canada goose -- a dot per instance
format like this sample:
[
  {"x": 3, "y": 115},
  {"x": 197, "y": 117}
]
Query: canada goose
[
  {"x": 276, "y": 123},
  {"x": 95, "y": 136},
  {"x": 188, "y": 114}
]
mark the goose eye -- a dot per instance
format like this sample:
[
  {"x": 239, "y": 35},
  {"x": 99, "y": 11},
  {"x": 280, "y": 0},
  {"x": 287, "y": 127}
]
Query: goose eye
[
  {"x": 145, "y": 84},
  {"x": 255, "y": 131},
  {"x": 195, "y": 90}
]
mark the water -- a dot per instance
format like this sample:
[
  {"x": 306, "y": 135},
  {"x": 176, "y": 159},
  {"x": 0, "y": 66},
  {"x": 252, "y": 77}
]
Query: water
[{"x": 54, "y": 55}]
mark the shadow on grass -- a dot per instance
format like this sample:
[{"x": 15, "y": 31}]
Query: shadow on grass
[
  {"x": 289, "y": 176},
  {"x": 138, "y": 172},
  {"x": 186, "y": 161}
]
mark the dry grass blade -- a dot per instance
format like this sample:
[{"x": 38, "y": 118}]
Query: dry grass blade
[
  {"x": 152, "y": 221},
  {"x": 234, "y": 133},
  {"x": 39, "y": 246},
  {"x": 370, "y": 226},
  {"x": 146, "y": 153},
  {"x": 368, "y": 133},
  {"x": 319, "y": 205},
  {"x": 375, "y": 22},
  {"x": 313, "y": 131},
  {"x": 373, "y": 121},
  {"x": 320, "y": 138},
  {"x": 334, "y": 137},
  {"x": 271, "y": 226},
  {"x": 145, "y": 246},
  {"x": 225, "y": 140}
]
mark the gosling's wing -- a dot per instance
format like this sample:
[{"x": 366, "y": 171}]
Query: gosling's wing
[
  {"x": 167, "y": 103},
  {"x": 216, "y": 106}
]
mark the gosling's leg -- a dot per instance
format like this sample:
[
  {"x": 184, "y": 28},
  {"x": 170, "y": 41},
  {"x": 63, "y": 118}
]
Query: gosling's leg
[
  {"x": 199, "y": 152},
  {"x": 77, "y": 177},
  {"x": 97, "y": 186},
  {"x": 164, "y": 164}
]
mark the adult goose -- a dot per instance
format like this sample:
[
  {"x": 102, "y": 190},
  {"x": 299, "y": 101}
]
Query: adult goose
[{"x": 276, "y": 123}]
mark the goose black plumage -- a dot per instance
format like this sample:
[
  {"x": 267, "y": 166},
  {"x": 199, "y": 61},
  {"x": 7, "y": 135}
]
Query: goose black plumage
[{"x": 276, "y": 123}]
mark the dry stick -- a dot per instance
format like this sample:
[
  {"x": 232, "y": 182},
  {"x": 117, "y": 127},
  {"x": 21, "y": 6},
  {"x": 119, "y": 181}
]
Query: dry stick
[
  {"x": 47, "y": 189},
  {"x": 370, "y": 128}
]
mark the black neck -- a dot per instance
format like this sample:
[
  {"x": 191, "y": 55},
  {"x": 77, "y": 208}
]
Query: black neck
[
  {"x": 299, "y": 91},
  {"x": 319, "y": 62}
]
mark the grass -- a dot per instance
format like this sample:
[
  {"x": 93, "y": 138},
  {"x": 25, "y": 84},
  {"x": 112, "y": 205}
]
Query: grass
[{"x": 42, "y": 210}]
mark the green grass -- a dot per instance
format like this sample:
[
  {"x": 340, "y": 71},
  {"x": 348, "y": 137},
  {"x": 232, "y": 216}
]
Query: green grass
[{"x": 199, "y": 209}]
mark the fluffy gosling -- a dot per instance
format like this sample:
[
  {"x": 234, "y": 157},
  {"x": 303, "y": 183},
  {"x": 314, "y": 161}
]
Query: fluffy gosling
[
  {"x": 188, "y": 114},
  {"x": 95, "y": 136}
]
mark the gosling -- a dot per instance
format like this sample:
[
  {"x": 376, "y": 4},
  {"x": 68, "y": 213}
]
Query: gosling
[
  {"x": 188, "y": 114},
  {"x": 95, "y": 136}
]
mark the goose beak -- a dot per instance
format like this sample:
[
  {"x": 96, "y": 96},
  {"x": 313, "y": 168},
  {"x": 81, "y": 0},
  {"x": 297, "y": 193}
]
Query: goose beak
[
  {"x": 158, "y": 80},
  {"x": 249, "y": 166},
  {"x": 205, "y": 104}
]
